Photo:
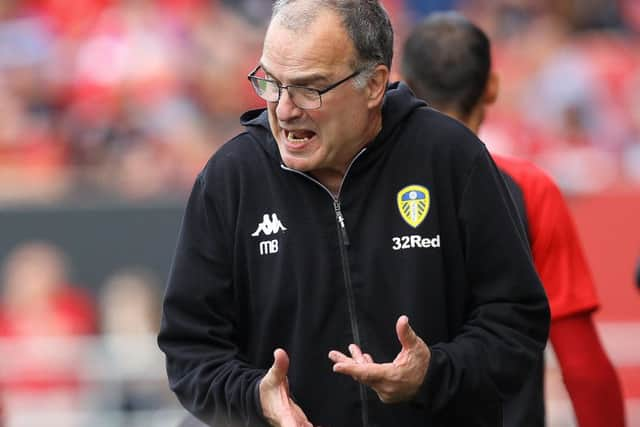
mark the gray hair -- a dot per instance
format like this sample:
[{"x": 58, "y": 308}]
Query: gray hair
[{"x": 365, "y": 21}]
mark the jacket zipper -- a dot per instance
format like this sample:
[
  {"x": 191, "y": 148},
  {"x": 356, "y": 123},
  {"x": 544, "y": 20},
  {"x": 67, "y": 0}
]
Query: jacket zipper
[
  {"x": 344, "y": 244},
  {"x": 340, "y": 218}
]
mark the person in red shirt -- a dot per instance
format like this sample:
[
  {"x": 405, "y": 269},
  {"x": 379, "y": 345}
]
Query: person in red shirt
[
  {"x": 36, "y": 302},
  {"x": 447, "y": 62}
]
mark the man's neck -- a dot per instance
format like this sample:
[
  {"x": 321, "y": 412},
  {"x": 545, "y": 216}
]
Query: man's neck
[
  {"x": 473, "y": 121},
  {"x": 330, "y": 178}
]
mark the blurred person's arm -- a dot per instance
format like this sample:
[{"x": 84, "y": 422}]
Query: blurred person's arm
[{"x": 587, "y": 372}]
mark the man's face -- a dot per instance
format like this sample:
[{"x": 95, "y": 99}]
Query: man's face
[{"x": 325, "y": 139}]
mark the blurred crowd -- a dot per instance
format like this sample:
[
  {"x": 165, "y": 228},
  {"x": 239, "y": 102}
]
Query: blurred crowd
[
  {"x": 67, "y": 351},
  {"x": 129, "y": 98},
  {"x": 570, "y": 88},
  {"x": 117, "y": 97}
]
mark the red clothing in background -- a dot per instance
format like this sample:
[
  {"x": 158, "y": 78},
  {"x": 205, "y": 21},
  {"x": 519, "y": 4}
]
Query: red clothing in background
[
  {"x": 31, "y": 362},
  {"x": 587, "y": 372},
  {"x": 554, "y": 241}
]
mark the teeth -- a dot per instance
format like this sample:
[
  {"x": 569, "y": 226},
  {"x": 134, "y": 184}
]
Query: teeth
[{"x": 291, "y": 137}]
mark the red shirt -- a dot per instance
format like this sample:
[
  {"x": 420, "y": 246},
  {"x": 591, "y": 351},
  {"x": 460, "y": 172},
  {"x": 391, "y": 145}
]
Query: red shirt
[
  {"x": 69, "y": 313},
  {"x": 588, "y": 374},
  {"x": 555, "y": 246}
]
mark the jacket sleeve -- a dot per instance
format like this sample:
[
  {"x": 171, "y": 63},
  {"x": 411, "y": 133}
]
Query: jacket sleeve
[
  {"x": 507, "y": 314},
  {"x": 198, "y": 331}
]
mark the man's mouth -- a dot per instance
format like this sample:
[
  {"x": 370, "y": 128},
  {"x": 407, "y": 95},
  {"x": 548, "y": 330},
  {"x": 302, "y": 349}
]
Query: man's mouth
[{"x": 299, "y": 136}]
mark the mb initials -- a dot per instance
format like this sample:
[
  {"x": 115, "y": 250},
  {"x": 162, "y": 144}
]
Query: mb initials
[{"x": 268, "y": 247}]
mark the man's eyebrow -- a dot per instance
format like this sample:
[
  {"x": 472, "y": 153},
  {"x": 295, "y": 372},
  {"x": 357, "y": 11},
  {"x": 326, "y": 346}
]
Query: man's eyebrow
[{"x": 303, "y": 80}]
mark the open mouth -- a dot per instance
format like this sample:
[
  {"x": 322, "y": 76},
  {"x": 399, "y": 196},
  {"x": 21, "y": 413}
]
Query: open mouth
[{"x": 298, "y": 136}]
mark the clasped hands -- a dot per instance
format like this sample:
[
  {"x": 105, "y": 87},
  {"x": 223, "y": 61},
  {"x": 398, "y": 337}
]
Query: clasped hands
[{"x": 393, "y": 382}]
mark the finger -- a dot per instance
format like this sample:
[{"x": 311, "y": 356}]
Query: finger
[
  {"x": 365, "y": 373},
  {"x": 278, "y": 371},
  {"x": 406, "y": 335},
  {"x": 337, "y": 357},
  {"x": 368, "y": 358},
  {"x": 356, "y": 353}
]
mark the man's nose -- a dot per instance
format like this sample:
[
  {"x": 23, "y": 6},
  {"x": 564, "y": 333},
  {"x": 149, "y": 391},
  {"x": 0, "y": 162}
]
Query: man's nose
[{"x": 286, "y": 109}]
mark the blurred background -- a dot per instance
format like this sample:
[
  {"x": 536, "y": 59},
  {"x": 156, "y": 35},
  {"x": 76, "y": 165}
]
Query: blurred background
[{"x": 109, "y": 108}]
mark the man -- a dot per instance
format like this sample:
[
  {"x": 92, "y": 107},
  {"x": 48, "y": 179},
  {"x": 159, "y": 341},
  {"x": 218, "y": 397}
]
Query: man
[
  {"x": 447, "y": 62},
  {"x": 343, "y": 210}
]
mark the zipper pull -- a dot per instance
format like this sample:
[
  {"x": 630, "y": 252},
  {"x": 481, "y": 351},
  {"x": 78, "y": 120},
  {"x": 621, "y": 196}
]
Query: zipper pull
[{"x": 340, "y": 218}]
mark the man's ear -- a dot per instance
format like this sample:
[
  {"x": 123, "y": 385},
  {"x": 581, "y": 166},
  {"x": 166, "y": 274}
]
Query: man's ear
[
  {"x": 491, "y": 89},
  {"x": 377, "y": 85}
]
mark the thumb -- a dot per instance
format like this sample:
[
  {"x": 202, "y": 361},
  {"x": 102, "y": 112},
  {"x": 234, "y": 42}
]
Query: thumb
[
  {"x": 278, "y": 371},
  {"x": 406, "y": 335}
]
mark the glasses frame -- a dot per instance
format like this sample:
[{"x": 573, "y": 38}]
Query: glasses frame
[{"x": 252, "y": 77}]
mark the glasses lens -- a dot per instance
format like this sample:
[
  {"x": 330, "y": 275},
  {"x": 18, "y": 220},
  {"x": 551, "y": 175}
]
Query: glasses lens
[
  {"x": 266, "y": 89},
  {"x": 305, "y": 98}
]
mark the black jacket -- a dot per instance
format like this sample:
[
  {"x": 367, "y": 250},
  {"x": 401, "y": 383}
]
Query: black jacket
[{"x": 268, "y": 258}]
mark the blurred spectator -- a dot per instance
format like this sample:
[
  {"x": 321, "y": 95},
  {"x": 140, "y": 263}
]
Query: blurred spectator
[
  {"x": 31, "y": 154},
  {"x": 38, "y": 302},
  {"x": 447, "y": 41},
  {"x": 130, "y": 303},
  {"x": 130, "y": 308}
]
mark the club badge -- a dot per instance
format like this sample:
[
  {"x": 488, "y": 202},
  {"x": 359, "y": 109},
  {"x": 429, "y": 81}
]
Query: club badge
[{"x": 413, "y": 204}]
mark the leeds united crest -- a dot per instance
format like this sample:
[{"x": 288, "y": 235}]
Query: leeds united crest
[{"x": 413, "y": 203}]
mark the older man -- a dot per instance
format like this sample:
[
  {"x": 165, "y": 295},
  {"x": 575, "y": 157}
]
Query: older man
[{"x": 348, "y": 221}]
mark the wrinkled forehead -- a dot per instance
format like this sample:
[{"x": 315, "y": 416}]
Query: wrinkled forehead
[{"x": 321, "y": 44}]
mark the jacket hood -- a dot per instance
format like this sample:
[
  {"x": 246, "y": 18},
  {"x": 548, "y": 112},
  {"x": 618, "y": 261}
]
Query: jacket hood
[{"x": 399, "y": 102}]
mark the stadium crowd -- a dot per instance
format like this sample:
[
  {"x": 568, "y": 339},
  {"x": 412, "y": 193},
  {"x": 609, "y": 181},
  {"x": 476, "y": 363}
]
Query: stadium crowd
[{"x": 128, "y": 99}]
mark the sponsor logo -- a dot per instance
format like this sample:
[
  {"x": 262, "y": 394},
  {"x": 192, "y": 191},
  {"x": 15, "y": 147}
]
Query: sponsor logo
[
  {"x": 414, "y": 241},
  {"x": 269, "y": 225},
  {"x": 413, "y": 204}
]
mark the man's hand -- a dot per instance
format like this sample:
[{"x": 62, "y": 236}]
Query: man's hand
[
  {"x": 277, "y": 406},
  {"x": 397, "y": 381}
]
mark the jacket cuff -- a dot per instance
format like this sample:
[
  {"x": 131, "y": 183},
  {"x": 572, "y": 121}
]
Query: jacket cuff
[
  {"x": 259, "y": 419},
  {"x": 432, "y": 380}
]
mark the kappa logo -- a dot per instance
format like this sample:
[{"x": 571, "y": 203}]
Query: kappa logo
[
  {"x": 269, "y": 226},
  {"x": 413, "y": 204}
]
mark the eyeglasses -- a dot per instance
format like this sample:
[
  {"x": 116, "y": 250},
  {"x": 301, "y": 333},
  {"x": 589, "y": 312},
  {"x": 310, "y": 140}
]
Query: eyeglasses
[{"x": 305, "y": 98}]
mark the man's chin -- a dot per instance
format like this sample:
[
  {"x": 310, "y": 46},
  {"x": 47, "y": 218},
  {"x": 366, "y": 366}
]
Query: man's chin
[{"x": 296, "y": 163}]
